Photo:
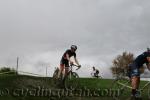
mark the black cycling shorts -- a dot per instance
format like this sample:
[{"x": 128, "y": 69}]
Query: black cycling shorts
[
  {"x": 64, "y": 62},
  {"x": 133, "y": 70}
]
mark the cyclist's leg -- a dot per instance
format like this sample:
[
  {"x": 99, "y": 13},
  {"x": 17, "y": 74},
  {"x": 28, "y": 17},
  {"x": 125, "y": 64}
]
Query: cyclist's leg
[
  {"x": 60, "y": 70},
  {"x": 135, "y": 79},
  {"x": 66, "y": 67},
  {"x": 135, "y": 83},
  {"x": 97, "y": 74},
  {"x": 62, "y": 65},
  {"x": 94, "y": 74}
]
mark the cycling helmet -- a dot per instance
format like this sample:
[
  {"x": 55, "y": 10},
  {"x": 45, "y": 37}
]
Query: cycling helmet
[
  {"x": 74, "y": 47},
  {"x": 148, "y": 49},
  {"x": 148, "y": 54}
]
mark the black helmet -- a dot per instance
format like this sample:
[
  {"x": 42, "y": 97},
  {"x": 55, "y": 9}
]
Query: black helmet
[
  {"x": 74, "y": 47},
  {"x": 148, "y": 54}
]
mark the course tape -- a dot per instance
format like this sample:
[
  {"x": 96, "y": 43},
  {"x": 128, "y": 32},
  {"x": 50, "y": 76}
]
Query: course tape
[
  {"x": 21, "y": 72},
  {"x": 31, "y": 73},
  {"x": 7, "y": 72}
]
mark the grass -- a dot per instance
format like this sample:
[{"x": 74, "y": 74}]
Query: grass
[{"x": 22, "y": 87}]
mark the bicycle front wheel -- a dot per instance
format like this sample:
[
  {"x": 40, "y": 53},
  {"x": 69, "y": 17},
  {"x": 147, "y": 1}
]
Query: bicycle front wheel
[
  {"x": 100, "y": 77},
  {"x": 71, "y": 80}
]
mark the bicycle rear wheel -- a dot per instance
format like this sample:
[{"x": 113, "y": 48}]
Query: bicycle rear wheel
[
  {"x": 71, "y": 80},
  {"x": 144, "y": 90},
  {"x": 148, "y": 91},
  {"x": 123, "y": 87},
  {"x": 57, "y": 81},
  {"x": 55, "y": 75}
]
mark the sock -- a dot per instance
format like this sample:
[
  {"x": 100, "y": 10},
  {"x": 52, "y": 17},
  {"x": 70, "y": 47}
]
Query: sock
[{"x": 133, "y": 92}]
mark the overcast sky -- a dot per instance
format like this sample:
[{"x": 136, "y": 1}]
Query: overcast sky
[{"x": 39, "y": 31}]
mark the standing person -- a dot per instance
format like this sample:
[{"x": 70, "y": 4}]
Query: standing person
[
  {"x": 65, "y": 60},
  {"x": 134, "y": 73}
]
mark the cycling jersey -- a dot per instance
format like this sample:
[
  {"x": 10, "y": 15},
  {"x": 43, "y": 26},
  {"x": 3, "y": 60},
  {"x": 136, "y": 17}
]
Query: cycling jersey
[
  {"x": 141, "y": 59},
  {"x": 64, "y": 60},
  {"x": 97, "y": 71},
  {"x": 70, "y": 53},
  {"x": 137, "y": 63}
]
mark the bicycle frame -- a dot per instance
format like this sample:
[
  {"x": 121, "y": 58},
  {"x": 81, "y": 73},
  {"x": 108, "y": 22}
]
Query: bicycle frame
[
  {"x": 124, "y": 86},
  {"x": 127, "y": 86},
  {"x": 69, "y": 83},
  {"x": 64, "y": 80},
  {"x": 145, "y": 85},
  {"x": 70, "y": 69}
]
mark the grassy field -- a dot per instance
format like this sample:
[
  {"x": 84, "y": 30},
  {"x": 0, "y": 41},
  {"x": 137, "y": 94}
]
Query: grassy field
[{"x": 23, "y": 87}]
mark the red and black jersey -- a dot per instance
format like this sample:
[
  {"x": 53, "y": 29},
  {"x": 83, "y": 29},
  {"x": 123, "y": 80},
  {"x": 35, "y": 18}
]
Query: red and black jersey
[{"x": 70, "y": 53}]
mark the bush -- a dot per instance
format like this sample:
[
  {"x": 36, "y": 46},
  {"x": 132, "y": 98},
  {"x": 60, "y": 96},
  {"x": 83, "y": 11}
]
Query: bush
[
  {"x": 7, "y": 70},
  {"x": 120, "y": 64}
]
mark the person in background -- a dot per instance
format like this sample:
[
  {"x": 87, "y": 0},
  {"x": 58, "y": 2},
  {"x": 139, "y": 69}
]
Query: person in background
[{"x": 95, "y": 72}]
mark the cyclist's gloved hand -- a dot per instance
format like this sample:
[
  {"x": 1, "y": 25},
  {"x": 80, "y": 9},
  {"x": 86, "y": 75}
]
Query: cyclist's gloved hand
[
  {"x": 71, "y": 63},
  {"x": 78, "y": 67}
]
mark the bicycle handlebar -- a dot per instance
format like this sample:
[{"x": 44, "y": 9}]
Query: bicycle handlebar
[{"x": 76, "y": 66}]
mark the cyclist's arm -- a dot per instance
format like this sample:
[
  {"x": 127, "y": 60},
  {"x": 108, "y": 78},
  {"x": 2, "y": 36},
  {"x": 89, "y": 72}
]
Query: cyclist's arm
[
  {"x": 68, "y": 58},
  {"x": 76, "y": 61}
]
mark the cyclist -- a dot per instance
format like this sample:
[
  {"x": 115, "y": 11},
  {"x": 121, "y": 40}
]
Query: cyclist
[
  {"x": 95, "y": 72},
  {"x": 65, "y": 60},
  {"x": 134, "y": 73}
]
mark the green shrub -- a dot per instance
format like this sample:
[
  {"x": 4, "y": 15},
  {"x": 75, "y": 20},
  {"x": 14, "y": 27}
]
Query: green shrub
[{"x": 7, "y": 70}]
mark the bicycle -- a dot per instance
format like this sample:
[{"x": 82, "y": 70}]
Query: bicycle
[
  {"x": 57, "y": 81},
  {"x": 70, "y": 81},
  {"x": 94, "y": 75},
  {"x": 124, "y": 86}
]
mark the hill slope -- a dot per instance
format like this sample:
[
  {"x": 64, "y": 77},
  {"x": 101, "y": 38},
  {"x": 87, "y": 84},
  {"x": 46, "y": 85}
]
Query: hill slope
[{"x": 23, "y": 87}]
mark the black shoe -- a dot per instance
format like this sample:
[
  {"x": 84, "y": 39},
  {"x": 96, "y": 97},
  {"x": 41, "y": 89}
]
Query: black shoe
[{"x": 135, "y": 98}]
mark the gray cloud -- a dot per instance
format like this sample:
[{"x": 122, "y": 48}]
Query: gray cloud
[{"x": 40, "y": 31}]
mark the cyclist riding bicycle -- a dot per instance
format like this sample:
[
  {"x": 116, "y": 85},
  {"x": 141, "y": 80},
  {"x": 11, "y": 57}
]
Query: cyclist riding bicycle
[
  {"x": 65, "y": 60},
  {"x": 134, "y": 72},
  {"x": 95, "y": 72}
]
